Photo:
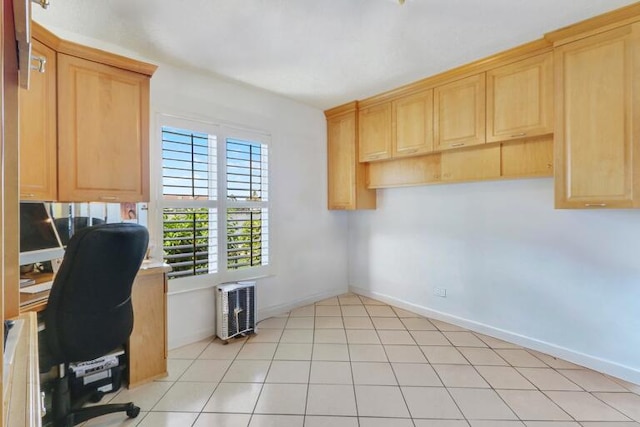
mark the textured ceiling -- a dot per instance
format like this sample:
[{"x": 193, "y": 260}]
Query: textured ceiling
[{"x": 319, "y": 52}]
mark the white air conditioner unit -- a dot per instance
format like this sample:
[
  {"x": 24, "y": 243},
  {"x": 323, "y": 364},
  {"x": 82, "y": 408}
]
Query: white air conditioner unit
[{"x": 236, "y": 309}]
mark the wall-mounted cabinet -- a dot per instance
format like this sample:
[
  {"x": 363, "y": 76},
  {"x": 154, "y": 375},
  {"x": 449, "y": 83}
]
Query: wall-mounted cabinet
[
  {"x": 520, "y": 99},
  {"x": 597, "y": 152},
  {"x": 347, "y": 177},
  {"x": 412, "y": 124},
  {"x": 459, "y": 113},
  {"x": 374, "y": 138}
]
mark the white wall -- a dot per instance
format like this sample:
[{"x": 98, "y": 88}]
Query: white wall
[
  {"x": 309, "y": 243},
  {"x": 562, "y": 281}
]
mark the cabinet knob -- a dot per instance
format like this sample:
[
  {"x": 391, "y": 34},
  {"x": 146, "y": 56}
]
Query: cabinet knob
[
  {"x": 43, "y": 3},
  {"x": 38, "y": 63}
]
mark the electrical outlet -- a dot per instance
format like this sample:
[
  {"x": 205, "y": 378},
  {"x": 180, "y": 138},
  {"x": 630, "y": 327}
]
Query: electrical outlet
[{"x": 441, "y": 292}]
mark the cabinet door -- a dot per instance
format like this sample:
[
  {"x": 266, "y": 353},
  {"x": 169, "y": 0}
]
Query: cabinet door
[
  {"x": 520, "y": 99},
  {"x": 459, "y": 113},
  {"x": 38, "y": 162},
  {"x": 103, "y": 132},
  {"x": 375, "y": 132},
  {"x": 346, "y": 176},
  {"x": 413, "y": 124},
  {"x": 597, "y": 131}
]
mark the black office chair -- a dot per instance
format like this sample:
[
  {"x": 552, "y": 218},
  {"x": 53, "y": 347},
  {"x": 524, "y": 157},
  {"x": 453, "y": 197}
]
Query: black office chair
[
  {"x": 67, "y": 228},
  {"x": 89, "y": 312}
]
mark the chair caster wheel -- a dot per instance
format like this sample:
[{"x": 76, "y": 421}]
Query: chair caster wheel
[
  {"x": 96, "y": 397},
  {"x": 133, "y": 412}
]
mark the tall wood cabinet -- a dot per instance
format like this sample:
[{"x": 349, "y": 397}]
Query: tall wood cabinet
[
  {"x": 597, "y": 151},
  {"x": 38, "y": 130},
  {"x": 347, "y": 177}
]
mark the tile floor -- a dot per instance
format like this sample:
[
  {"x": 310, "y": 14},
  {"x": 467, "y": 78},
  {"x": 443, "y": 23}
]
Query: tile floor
[{"x": 351, "y": 361}]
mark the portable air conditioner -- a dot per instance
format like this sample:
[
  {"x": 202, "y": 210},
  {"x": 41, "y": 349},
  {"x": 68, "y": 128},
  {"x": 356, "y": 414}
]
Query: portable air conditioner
[{"x": 236, "y": 309}]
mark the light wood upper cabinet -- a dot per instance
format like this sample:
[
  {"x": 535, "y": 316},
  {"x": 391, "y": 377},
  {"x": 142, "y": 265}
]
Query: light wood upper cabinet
[
  {"x": 597, "y": 150},
  {"x": 375, "y": 132},
  {"x": 103, "y": 132},
  {"x": 412, "y": 124},
  {"x": 459, "y": 113},
  {"x": 38, "y": 130},
  {"x": 520, "y": 99},
  {"x": 347, "y": 178}
]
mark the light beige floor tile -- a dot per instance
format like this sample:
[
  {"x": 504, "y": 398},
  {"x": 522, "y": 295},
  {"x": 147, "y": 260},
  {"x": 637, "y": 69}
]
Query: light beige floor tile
[
  {"x": 289, "y": 372},
  {"x": 349, "y": 300},
  {"x": 395, "y": 337},
  {"x": 219, "y": 350},
  {"x": 482, "y": 356},
  {"x": 441, "y": 423},
  {"x": 405, "y": 314},
  {"x": 330, "y": 336},
  {"x": 367, "y": 353},
  {"x": 591, "y": 380},
  {"x": 297, "y": 336},
  {"x": 330, "y": 373},
  {"x": 520, "y": 358},
  {"x": 552, "y": 424},
  {"x": 554, "y": 362},
  {"x": 306, "y": 311},
  {"x": 417, "y": 324},
  {"x": 300, "y": 323},
  {"x": 191, "y": 351},
  {"x": 388, "y": 323},
  {"x": 627, "y": 403},
  {"x": 282, "y": 399},
  {"x": 610, "y": 424},
  {"x": 504, "y": 377},
  {"x": 430, "y": 402},
  {"x": 464, "y": 339},
  {"x": 175, "y": 369},
  {"x": 334, "y": 322},
  {"x": 416, "y": 374},
  {"x": 328, "y": 310},
  {"x": 185, "y": 397},
  {"x": 380, "y": 401},
  {"x": 354, "y": 311},
  {"x": 496, "y": 343},
  {"x": 380, "y": 311},
  {"x": 460, "y": 376},
  {"x": 480, "y": 404},
  {"x": 168, "y": 419},
  {"x": 265, "y": 335},
  {"x": 259, "y": 420},
  {"x": 222, "y": 420},
  {"x": 289, "y": 351},
  {"x": 634, "y": 388},
  {"x": 331, "y": 352},
  {"x": 494, "y": 423},
  {"x": 533, "y": 405},
  {"x": 362, "y": 336},
  {"x": 144, "y": 396},
  {"x": 582, "y": 406},
  {"x": 247, "y": 371},
  {"x": 234, "y": 397},
  {"x": 444, "y": 355},
  {"x": 324, "y": 421},
  {"x": 331, "y": 400},
  {"x": 206, "y": 370},
  {"x": 373, "y": 373},
  {"x": 257, "y": 351},
  {"x": 273, "y": 323},
  {"x": 444, "y": 326},
  {"x": 548, "y": 379},
  {"x": 430, "y": 338},
  {"x": 328, "y": 301},
  {"x": 385, "y": 422},
  {"x": 358, "y": 323},
  {"x": 404, "y": 354},
  {"x": 370, "y": 301}
]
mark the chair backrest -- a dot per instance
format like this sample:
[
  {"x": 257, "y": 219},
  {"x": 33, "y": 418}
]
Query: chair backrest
[
  {"x": 89, "y": 311},
  {"x": 66, "y": 228}
]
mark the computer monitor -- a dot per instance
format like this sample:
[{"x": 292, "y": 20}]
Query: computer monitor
[{"x": 39, "y": 240}]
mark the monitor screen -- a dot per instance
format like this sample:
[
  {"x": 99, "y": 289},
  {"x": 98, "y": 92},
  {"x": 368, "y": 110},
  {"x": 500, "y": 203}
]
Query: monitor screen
[{"x": 39, "y": 239}]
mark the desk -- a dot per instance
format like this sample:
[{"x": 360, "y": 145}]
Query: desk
[{"x": 147, "y": 346}]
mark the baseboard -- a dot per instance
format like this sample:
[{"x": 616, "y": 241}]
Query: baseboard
[
  {"x": 191, "y": 338},
  {"x": 609, "y": 367},
  {"x": 276, "y": 310}
]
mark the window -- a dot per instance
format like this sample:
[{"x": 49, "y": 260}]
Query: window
[{"x": 205, "y": 184}]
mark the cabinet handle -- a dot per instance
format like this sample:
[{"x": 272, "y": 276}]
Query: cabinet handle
[
  {"x": 459, "y": 144},
  {"x": 517, "y": 135},
  {"x": 595, "y": 205},
  {"x": 29, "y": 195},
  {"x": 43, "y": 3},
  {"x": 43, "y": 406},
  {"x": 41, "y": 62},
  {"x": 413, "y": 150},
  {"x": 108, "y": 198},
  {"x": 339, "y": 207}
]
